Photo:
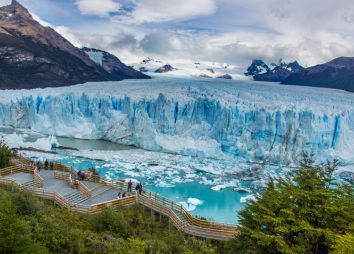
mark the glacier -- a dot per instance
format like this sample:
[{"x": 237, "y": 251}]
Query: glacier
[{"x": 251, "y": 121}]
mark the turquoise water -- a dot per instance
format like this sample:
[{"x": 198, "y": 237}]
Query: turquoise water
[
  {"x": 220, "y": 206},
  {"x": 125, "y": 162}
]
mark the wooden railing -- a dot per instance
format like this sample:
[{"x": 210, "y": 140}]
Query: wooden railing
[
  {"x": 7, "y": 182},
  {"x": 180, "y": 217},
  {"x": 191, "y": 219},
  {"x": 10, "y": 170},
  {"x": 115, "y": 203},
  {"x": 204, "y": 231},
  {"x": 65, "y": 176},
  {"x": 38, "y": 179},
  {"x": 84, "y": 190}
]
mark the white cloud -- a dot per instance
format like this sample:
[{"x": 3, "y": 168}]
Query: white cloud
[
  {"x": 39, "y": 20},
  {"x": 160, "y": 43},
  {"x": 69, "y": 35},
  {"x": 232, "y": 31},
  {"x": 62, "y": 30},
  {"x": 168, "y": 10},
  {"x": 101, "y": 8}
]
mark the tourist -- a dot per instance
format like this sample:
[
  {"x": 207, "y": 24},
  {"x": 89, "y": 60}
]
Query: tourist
[
  {"x": 124, "y": 194},
  {"x": 81, "y": 175},
  {"x": 130, "y": 184},
  {"x": 51, "y": 165},
  {"x": 46, "y": 163},
  {"x": 140, "y": 188},
  {"x": 39, "y": 164},
  {"x": 119, "y": 195},
  {"x": 137, "y": 187}
]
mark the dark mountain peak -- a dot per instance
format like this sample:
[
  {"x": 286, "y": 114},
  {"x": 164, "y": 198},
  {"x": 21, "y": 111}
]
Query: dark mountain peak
[
  {"x": 337, "y": 73},
  {"x": 257, "y": 67},
  {"x": 294, "y": 66},
  {"x": 16, "y": 5},
  {"x": 342, "y": 62},
  {"x": 277, "y": 72},
  {"x": 165, "y": 68},
  {"x": 33, "y": 56},
  {"x": 112, "y": 64},
  {"x": 14, "y": 11},
  {"x": 17, "y": 22}
]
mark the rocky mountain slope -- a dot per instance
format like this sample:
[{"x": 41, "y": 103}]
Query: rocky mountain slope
[
  {"x": 338, "y": 74},
  {"x": 113, "y": 65},
  {"x": 260, "y": 71},
  {"x": 33, "y": 56}
]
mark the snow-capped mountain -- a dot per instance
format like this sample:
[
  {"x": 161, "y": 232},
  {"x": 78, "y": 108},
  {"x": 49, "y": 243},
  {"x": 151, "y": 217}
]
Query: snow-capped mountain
[
  {"x": 113, "y": 65},
  {"x": 257, "y": 67},
  {"x": 165, "y": 68},
  {"x": 260, "y": 71},
  {"x": 189, "y": 69}
]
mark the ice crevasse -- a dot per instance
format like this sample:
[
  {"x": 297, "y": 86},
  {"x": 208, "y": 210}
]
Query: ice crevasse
[{"x": 243, "y": 119}]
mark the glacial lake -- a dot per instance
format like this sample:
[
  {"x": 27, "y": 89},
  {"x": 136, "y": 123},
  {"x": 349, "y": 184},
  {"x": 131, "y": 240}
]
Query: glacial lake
[{"x": 178, "y": 178}]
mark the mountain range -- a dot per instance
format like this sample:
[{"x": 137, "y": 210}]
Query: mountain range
[
  {"x": 260, "y": 71},
  {"x": 337, "y": 73},
  {"x": 34, "y": 56},
  {"x": 188, "y": 69}
]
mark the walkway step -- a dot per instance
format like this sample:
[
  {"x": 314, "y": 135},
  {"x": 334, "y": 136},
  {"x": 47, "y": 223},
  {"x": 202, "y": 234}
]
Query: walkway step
[
  {"x": 100, "y": 190},
  {"x": 75, "y": 198},
  {"x": 30, "y": 185},
  {"x": 181, "y": 216}
]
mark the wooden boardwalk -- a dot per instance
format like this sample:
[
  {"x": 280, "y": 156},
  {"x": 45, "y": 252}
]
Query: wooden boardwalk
[{"x": 92, "y": 195}]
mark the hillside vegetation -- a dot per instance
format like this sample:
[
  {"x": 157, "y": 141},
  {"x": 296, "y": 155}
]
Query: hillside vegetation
[
  {"x": 30, "y": 225},
  {"x": 306, "y": 212}
]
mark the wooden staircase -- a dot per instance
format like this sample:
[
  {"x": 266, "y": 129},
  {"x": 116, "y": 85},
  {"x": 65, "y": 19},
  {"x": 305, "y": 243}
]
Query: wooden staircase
[{"x": 179, "y": 216}]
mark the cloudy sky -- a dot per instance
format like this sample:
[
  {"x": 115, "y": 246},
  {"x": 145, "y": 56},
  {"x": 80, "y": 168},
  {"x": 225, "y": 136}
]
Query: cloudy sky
[{"x": 225, "y": 31}]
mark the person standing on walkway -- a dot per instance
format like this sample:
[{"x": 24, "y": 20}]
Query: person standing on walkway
[
  {"x": 130, "y": 185},
  {"x": 51, "y": 165},
  {"x": 39, "y": 164},
  {"x": 46, "y": 163},
  {"x": 140, "y": 188}
]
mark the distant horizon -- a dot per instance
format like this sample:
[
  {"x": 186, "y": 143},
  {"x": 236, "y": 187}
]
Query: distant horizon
[{"x": 221, "y": 31}]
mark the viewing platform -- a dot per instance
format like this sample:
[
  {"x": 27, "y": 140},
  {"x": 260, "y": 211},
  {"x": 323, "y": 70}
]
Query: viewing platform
[{"x": 93, "y": 194}]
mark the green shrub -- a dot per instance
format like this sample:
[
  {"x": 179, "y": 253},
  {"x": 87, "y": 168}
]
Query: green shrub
[
  {"x": 110, "y": 220},
  {"x": 304, "y": 213},
  {"x": 5, "y": 155}
]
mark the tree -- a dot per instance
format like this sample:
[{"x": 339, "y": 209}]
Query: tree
[
  {"x": 5, "y": 155},
  {"x": 344, "y": 244},
  {"x": 304, "y": 213},
  {"x": 15, "y": 234}
]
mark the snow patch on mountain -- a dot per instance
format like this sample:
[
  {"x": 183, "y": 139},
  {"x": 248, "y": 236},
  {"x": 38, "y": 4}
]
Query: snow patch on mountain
[
  {"x": 183, "y": 68},
  {"x": 96, "y": 56}
]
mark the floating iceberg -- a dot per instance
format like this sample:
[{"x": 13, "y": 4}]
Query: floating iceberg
[
  {"x": 248, "y": 198},
  {"x": 19, "y": 141},
  {"x": 194, "y": 201}
]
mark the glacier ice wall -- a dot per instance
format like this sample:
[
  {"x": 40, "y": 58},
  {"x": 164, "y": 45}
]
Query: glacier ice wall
[{"x": 197, "y": 118}]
